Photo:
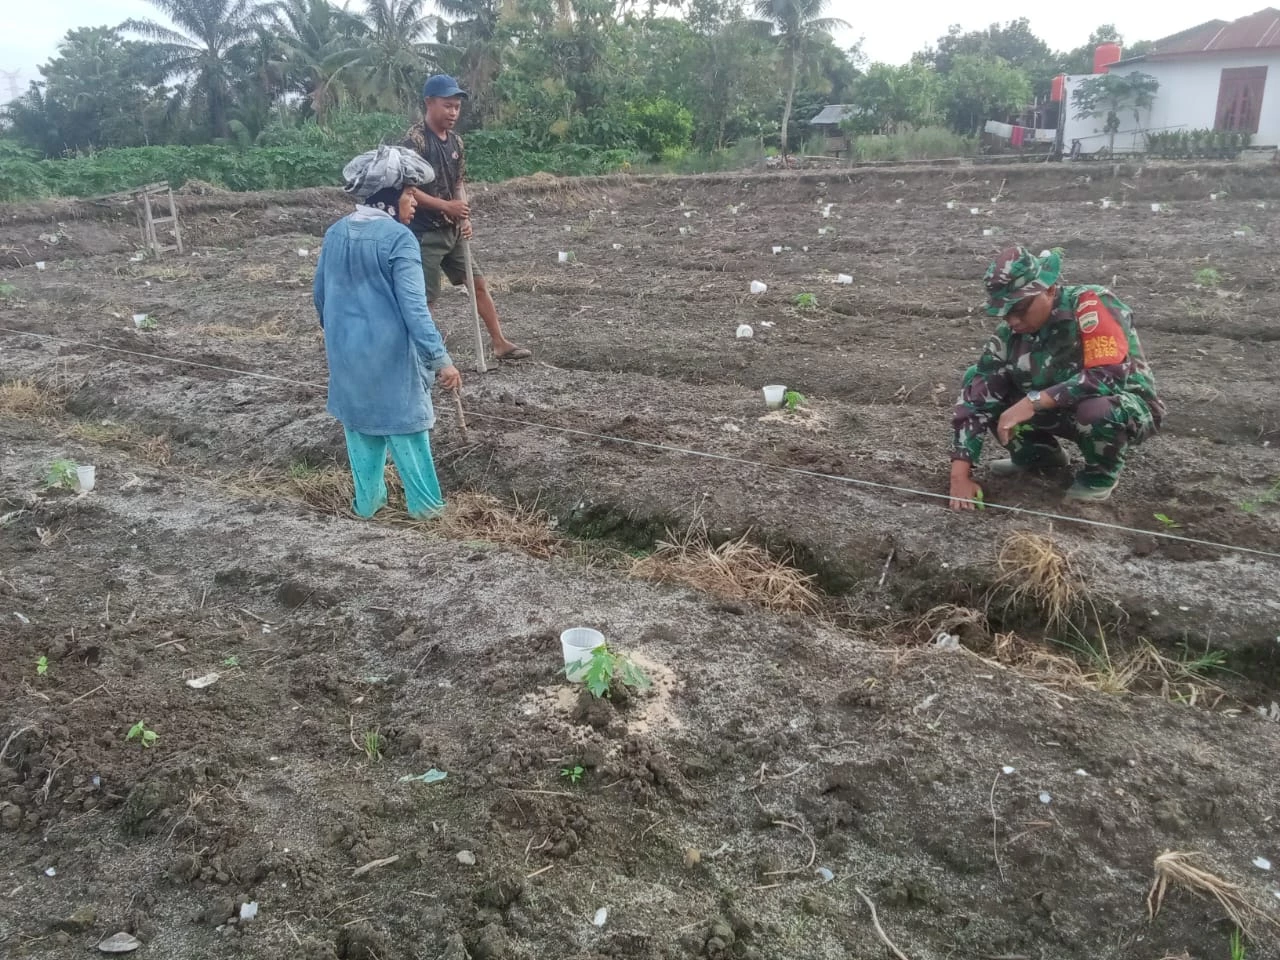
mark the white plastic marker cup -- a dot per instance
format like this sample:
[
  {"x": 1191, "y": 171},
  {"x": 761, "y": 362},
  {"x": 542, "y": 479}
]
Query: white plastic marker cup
[
  {"x": 85, "y": 478},
  {"x": 826, "y": 211},
  {"x": 1105, "y": 203},
  {"x": 843, "y": 278},
  {"x": 974, "y": 211},
  {"x": 577, "y": 643},
  {"x": 304, "y": 252},
  {"x": 758, "y": 287},
  {"x": 745, "y": 332},
  {"x": 988, "y": 232},
  {"x": 39, "y": 264},
  {"x": 951, "y": 204},
  {"x": 1155, "y": 208},
  {"x": 617, "y": 246},
  {"x": 776, "y": 251},
  {"x": 773, "y": 395},
  {"x": 564, "y": 256},
  {"x": 139, "y": 320}
]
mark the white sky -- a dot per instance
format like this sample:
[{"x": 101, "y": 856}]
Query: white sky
[{"x": 892, "y": 31}]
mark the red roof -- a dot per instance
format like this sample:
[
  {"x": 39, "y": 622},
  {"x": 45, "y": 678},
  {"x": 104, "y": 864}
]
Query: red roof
[{"x": 1258, "y": 31}]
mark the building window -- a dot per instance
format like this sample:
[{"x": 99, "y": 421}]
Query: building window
[{"x": 1240, "y": 98}]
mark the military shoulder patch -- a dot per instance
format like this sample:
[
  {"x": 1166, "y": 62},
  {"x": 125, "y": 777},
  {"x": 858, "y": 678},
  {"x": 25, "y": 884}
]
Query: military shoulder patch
[{"x": 1101, "y": 336}]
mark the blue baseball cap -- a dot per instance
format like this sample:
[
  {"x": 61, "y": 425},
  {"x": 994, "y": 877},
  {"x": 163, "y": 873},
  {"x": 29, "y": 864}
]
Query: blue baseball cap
[{"x": 442, "y": 85}]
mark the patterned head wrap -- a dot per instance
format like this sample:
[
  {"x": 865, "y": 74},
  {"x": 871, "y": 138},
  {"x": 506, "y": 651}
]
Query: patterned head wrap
[{"x": 386, "y": 168}]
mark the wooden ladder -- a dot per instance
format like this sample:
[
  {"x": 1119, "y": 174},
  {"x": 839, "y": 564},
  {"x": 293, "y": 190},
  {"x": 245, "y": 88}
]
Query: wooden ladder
[{"x": 150, "y": 221}]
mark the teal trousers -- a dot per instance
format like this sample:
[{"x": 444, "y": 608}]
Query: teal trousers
[{"x": 411, "y": 453}]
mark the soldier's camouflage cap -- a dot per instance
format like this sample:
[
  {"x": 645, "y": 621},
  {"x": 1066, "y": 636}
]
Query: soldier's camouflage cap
[{"x": 1017, "y": 274}]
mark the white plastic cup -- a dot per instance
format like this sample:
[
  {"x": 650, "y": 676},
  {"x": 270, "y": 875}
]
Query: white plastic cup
[
  {"x": 617, "y": 246},
  {"x": 40, "y": 264},
  {"x": 1155, "y": 208},
  {"x": 826, "y": 211},
  {"x": 304, "y": 252},
  {"x": 85, "y": 478},
  {"x": 758, "y": 287},
  {"x": 974, "y": 211},
  {"x": 577, "y": 643},
  {"x": 777, "y": 250},
  {"x": 843, "y": 278},
  {"x": 1105, "y": 203},
  {"x": 951, "y": 204},
  {"x": 773, "y": 395},
  {"x": 564, "y": 256},
  {"x": 745, "y": 332},
  {"x": 139, "y": 320}
]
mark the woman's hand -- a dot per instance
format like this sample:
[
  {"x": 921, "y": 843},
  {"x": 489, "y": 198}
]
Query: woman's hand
[{"x": 449, "y": 378}]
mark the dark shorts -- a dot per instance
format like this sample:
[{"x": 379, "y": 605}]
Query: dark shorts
[{"x": 442, "y": 254}]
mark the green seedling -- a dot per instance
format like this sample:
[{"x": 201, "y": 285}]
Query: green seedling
[
  {"x": 792, "y": 399},
  {"x": 1167, "y": 521},
  {"x": 7, "y": 289},
  {"x": 42, "y": 666},
  {"x": 231, "y": 661},
  {"x": 143, "y": 734},
  {"x": 604, "y": 666},
  {"x": 1267, "y": 498},
  {"x": 806, "y": 301},
  {"x": 301, "y": 470},
  {"x": 1208, "y": 277},
  {"x": 373, "y": 744},
  {"x": 573, "y": 774},
  {"x": 61, "y": 475},
  {"x": 1237, "y": 945},
  {"x": 980, "y": 500}
]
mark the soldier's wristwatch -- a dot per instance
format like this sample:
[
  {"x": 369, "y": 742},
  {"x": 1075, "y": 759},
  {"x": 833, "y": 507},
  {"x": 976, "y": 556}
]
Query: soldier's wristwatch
[{"x": 1034, "y": 397}]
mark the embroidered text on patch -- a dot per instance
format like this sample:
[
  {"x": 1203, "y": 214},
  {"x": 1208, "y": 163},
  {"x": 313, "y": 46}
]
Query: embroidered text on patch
[{"x": 1101, "y": 335}]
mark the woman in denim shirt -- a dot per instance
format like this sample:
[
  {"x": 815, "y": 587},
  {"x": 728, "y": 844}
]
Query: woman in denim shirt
[{"x": 383, "y": 349}]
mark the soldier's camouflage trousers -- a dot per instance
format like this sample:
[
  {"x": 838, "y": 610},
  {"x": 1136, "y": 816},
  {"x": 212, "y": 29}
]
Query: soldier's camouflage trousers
[{"x": 1103, "y": 427}]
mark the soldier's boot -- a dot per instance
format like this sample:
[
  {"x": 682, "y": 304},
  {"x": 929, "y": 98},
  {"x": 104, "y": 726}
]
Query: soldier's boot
[
  {"x": 1037, "y": 456},
  {"x": 1092, "y": 485}
]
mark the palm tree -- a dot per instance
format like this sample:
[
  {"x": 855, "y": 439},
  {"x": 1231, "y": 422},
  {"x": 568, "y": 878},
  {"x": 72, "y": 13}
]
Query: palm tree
[
  {"x": 473, "y": 32},
  {"x": 203, "y": 46},
  {"x": 311, "y": 33},
  {"x": 392, "y": 59},
  {"x": 798, "y": 23}
]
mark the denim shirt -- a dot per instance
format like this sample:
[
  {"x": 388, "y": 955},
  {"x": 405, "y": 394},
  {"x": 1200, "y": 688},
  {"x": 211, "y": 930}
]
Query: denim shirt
[{"x": 382, "y": 346}]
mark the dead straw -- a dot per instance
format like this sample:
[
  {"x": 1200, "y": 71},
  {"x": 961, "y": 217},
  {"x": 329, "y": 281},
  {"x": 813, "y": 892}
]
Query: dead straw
[{"x": 1176, "y": 868}]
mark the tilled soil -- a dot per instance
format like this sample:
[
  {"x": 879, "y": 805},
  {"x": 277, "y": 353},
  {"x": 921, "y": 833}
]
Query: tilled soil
[{"x": 772, "y": 744}]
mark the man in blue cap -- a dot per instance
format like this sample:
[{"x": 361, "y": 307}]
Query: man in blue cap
[{"x": 443, "y": 219}]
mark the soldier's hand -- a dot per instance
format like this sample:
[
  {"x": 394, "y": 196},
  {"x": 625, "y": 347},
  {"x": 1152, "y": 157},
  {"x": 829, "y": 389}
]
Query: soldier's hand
[
  {"x": 1011, "y": 419},
  {"x": 964, "y": 492}
]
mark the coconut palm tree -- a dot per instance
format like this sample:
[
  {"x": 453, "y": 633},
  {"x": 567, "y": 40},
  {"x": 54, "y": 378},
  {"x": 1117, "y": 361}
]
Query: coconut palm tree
[
  {"x": 797, "y": 24},
  {"x": 311, "y": 33},
  {"x": 473, "y": 34},
  {"x": 203, "y": 45},
  {"x": 390, "y": 61}
]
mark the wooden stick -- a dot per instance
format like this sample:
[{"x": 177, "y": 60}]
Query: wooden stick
[
  {"x": 475, "y": 307},
  {"x": 462, "y": 417},
  {"x": 875, "y": 922},
  {"x": 374, "y": 864}
]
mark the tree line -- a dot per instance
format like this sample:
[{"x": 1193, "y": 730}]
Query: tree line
[{"x": 606, "y": 74}]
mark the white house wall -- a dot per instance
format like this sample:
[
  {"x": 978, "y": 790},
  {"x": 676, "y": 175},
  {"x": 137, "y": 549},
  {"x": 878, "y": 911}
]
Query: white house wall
[{"x": 1187, "y": 100}]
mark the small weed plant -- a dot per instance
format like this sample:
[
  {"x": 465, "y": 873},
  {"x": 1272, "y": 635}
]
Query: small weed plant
[
  {"x": 1167, "y": 521},
  {"x": 373, "y": 744},
  {"x": 143, "y": 734},
  {"x": 1208, "y": 277},
  {"x": 806, "y": 301},
  {"x": 148, "y": 323},
  {"x": 42, "y": 666},
  {"x": 61, "y": 475},
  {"x": 573, "y": 774},
  {"x": 793, "y": 399},
  {"x": 604, "y": 666},
  {"x": 1268, "y": 497},
  {"x": 231, "y": 661},
  {"x": 1237, "y": 945},
  {"x": 301, "y": 470},
  {"x": 7, "y": 290}
]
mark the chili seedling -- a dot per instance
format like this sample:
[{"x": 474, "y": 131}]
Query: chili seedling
[
  {"x": 604, "y": 666},
  {"x": 142, "y": 733}
]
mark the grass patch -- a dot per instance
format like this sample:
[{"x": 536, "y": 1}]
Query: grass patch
[
  {"x": 263, "y": 332},
  {"x": 155, "y": 450},
  {"x": 30, "y": 400},
  {"x": 735, "y": 570}
]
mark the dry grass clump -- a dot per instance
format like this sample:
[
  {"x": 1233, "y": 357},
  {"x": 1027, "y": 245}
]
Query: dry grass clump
[
  {"x": 478, "y": 516},
  {"x": 155, "y": 450},
  {"x": 467, "y": 515},
  {"x": 263, "y": 332},
  {"x": 735, "y": 570},
  {"x": 1031, "y": 568},
  {"x": 1174, "y": 868},
  {"x": 30, "y": 400}
]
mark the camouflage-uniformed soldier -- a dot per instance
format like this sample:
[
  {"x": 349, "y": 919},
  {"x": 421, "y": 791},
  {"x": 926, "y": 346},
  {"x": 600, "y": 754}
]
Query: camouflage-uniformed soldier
[{"x": 1064, "y": 363}]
